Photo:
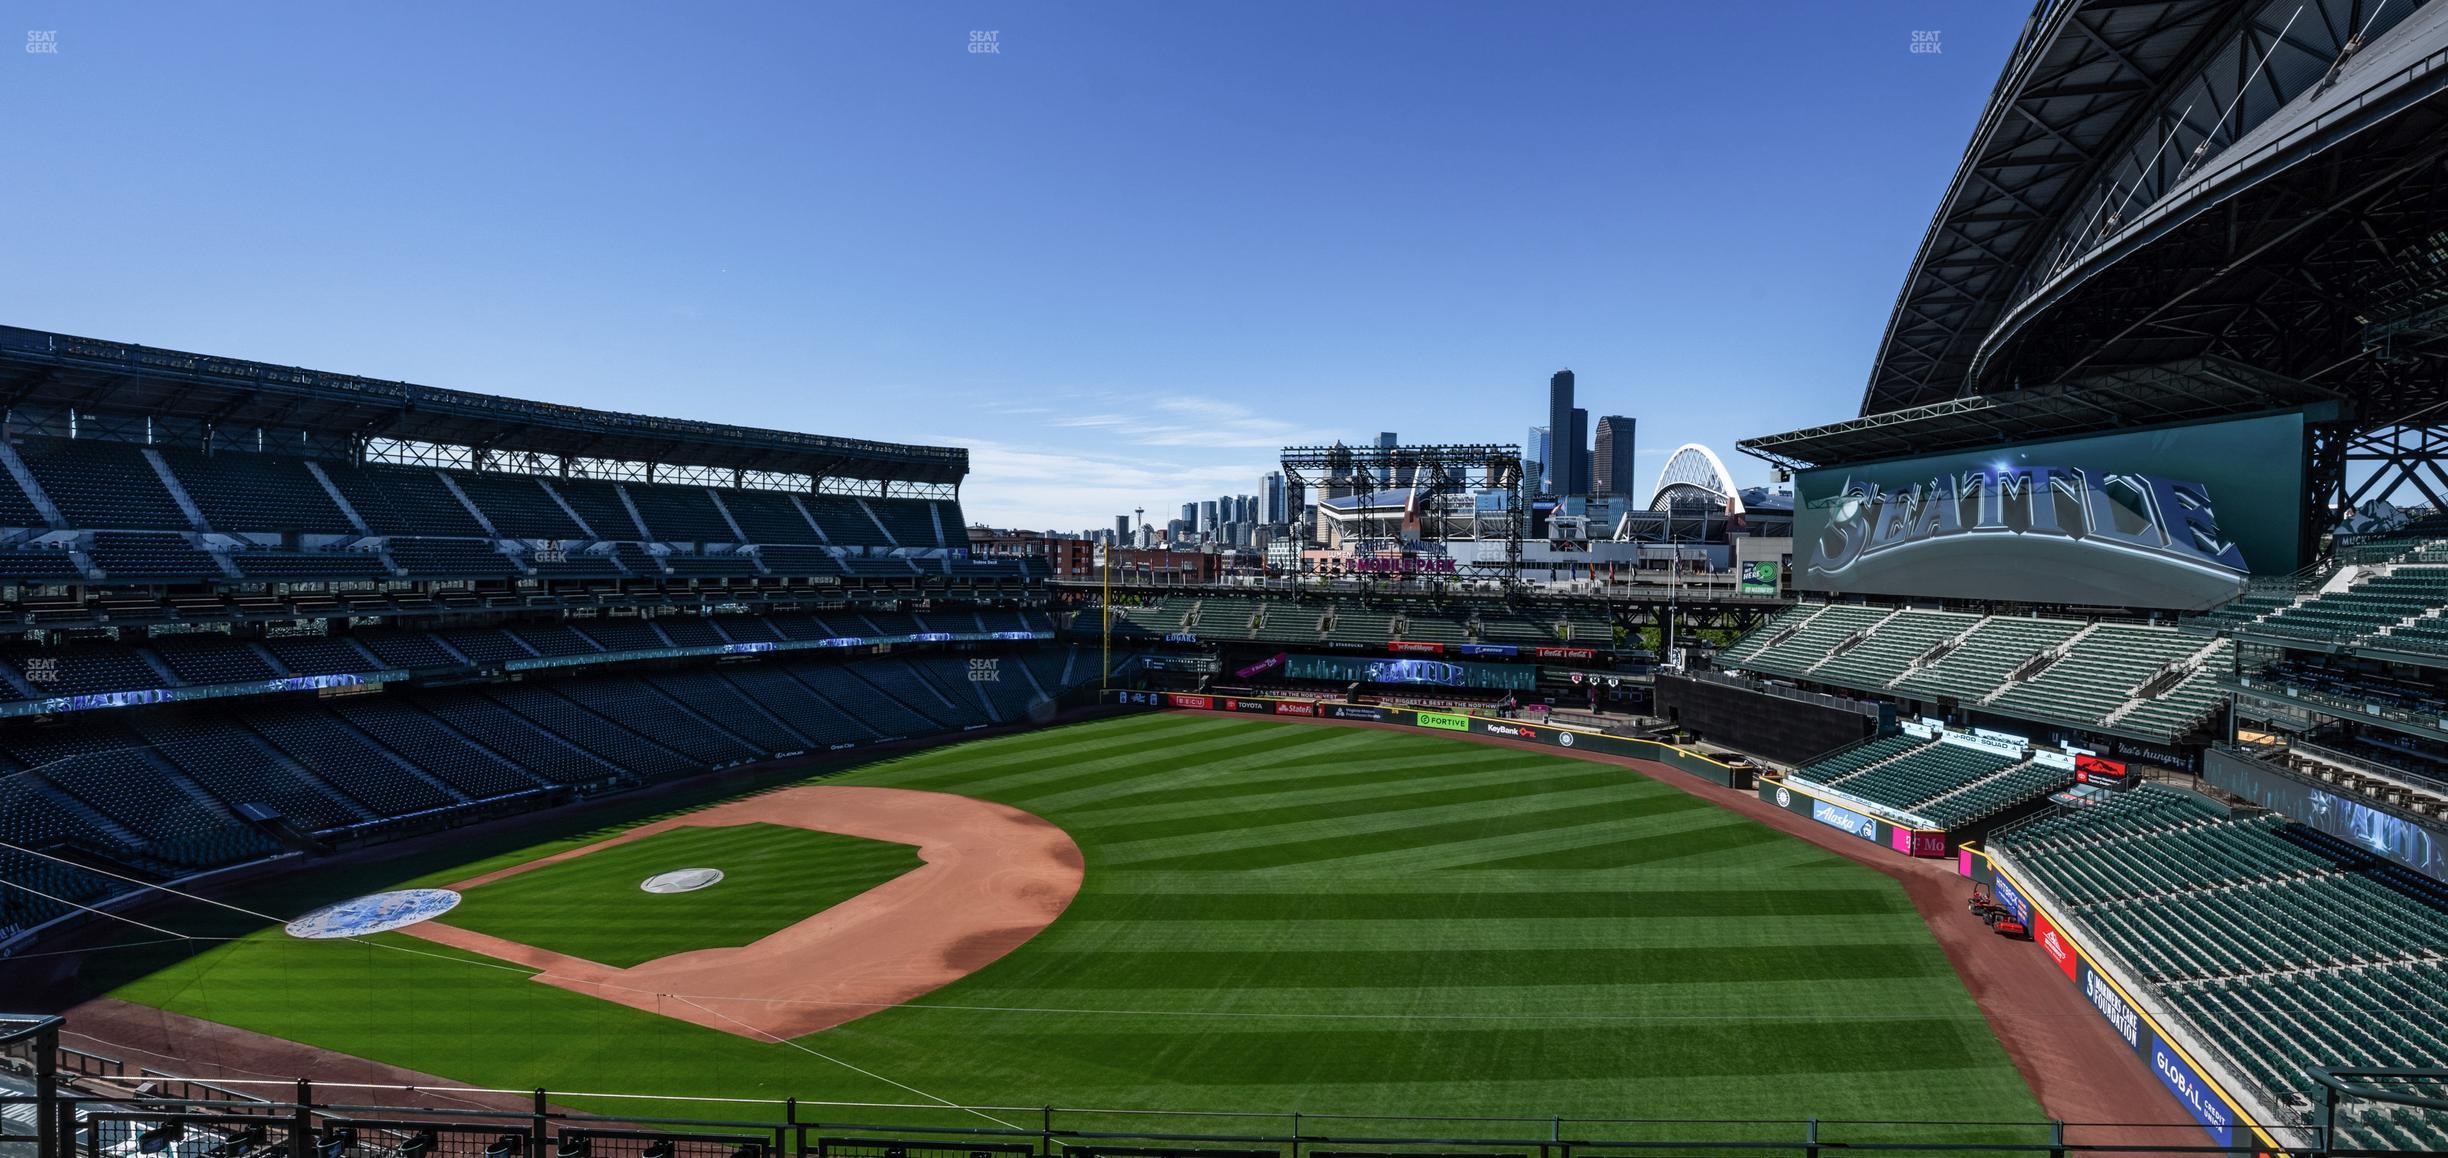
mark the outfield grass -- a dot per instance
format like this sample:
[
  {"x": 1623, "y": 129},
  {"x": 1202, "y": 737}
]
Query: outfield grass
[
  {"x": 1276, "y": 917},
  {"x": 591, "y": 907}
]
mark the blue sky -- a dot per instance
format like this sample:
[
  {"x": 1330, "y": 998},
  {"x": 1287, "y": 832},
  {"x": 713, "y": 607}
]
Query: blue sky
[{"x": 1123, "y": 258}]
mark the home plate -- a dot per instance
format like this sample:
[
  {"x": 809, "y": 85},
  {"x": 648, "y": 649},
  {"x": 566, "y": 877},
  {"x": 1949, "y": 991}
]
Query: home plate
[{"x": 682, "y": 880}]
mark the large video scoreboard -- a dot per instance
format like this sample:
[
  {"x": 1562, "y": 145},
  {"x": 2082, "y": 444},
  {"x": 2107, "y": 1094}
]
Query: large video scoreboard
[{"x": 2179, "y": 517}]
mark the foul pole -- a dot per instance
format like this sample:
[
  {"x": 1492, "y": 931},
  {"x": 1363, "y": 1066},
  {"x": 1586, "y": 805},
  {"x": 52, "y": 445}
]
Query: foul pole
[{"x": 1105, "y": 632}]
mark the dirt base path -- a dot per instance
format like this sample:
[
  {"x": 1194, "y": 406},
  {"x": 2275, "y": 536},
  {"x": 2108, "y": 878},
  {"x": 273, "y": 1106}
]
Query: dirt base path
[{"x": 994, "y": 877}]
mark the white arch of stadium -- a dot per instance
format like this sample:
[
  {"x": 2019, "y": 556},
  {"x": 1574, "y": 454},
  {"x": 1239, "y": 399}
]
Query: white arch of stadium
[{"x": 1695, "y": 469}]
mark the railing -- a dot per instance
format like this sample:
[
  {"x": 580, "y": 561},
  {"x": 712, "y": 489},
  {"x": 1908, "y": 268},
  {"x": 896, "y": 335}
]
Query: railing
[
  {"x": 536, "y": 1122},
  {"x": 2282, "y": 690},
  {"x": 1841, "y": 703}
]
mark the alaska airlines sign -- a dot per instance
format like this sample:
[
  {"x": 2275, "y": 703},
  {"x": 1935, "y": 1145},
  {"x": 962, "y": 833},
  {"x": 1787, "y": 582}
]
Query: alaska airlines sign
[{"x": 2040, "y": 533}]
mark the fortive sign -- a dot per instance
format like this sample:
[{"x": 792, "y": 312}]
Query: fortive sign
[{"x": 1446, "y": 720}]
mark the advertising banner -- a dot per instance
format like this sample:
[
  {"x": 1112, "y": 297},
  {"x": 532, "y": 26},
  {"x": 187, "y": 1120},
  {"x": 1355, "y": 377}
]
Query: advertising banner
[
  {"x": 1439, "y": 672},
  {"x": 1262, "y": 667},
  {"x": 2013, "y": 900},
  {"x": 1679, "y": 759},
  {"x": 2060, "y": 950},
  {"x": 2408, "y": 842},
  {"x": 1415, "y": 647},
  {"x": 1510, "y": 731},
  {"x": 1759, "y": 577},
  {"x": 2199, "y": 1096},
  {"x": 1582, "y": 653},
  {"x": 2093, "y": 770},
  {"x": 1984, "y": 740},
  {"x": 2112, "y": 1005},
  {"x": 2177, "y": 517},
  {"x": 1502, "y": 649},
  {"x": 2217, "y": 1118},
  {"x": 1865, "y": 827},
  {"x": 1915, "y": 841}
]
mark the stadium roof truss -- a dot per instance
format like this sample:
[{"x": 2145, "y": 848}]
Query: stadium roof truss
[
  {"x": 2117, "y": 123},
  {"x": 2197, "y": 390},
  {"x": 60, "y": 384}
]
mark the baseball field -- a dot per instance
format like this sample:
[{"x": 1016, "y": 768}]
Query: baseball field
[{"x": 1153, "y": 911}]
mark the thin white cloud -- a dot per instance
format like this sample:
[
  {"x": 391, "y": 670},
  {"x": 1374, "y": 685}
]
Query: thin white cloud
[{"x": 1051, "y": 487}]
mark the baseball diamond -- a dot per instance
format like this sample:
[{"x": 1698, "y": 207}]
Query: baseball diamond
[
  {"x": 1266, "y": 914},
  {"x": 867, "y": 594}
]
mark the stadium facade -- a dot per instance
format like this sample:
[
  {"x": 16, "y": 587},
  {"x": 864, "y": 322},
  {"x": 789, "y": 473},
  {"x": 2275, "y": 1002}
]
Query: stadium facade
[
  {"x": 262, "y": 613},
  {"x": 2092, "y": 557}
]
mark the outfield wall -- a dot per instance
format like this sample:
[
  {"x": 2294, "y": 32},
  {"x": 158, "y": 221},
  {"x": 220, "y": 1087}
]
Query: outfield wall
[
  {"x": 1786, "y": 729},
  {"x": 1515, "y": 730},
  {"x": 2221, "y": 1113},
  {"x": 1855, "y": 817}
]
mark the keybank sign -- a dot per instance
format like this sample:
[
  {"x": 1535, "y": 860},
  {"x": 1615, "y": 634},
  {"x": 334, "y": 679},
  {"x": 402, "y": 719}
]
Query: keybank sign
[{"x": 2171, "y": 518}]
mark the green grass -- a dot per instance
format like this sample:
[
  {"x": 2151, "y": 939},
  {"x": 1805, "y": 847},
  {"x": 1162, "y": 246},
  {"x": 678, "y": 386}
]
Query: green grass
[
  {"x": 591, "y": 906},
  {"x": 1275, "y": 917}
]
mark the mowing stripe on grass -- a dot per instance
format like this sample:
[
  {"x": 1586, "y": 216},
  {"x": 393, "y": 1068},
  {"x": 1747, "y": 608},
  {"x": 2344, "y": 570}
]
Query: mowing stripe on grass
[
  {"x": 1259, "y": 931},
  {"x": 1602, "y": 806}
]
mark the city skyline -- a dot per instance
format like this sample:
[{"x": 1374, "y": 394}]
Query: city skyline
[{"x": 1603, "y": 464}]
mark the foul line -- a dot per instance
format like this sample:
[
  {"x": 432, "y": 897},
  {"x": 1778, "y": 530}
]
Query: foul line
[{"x": 845, "y": 1065}]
